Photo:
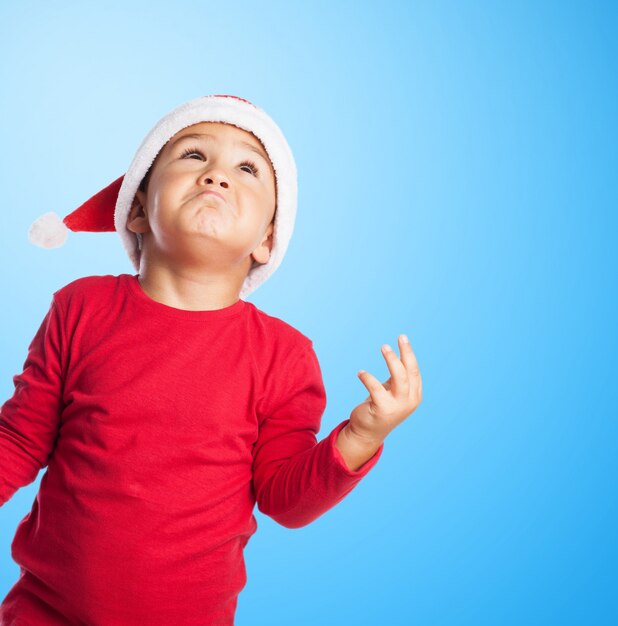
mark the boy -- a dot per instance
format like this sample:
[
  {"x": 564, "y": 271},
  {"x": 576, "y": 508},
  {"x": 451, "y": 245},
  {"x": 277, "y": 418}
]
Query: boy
[{"x": 164, "y": 405}]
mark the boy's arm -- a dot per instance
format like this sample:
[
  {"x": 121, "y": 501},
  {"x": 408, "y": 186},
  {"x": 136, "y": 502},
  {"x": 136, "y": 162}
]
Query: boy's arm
[
  {"x": 296, "y": 479},
  {"x": 30, "y": 419},
  {"x": 354, "y": 452}
]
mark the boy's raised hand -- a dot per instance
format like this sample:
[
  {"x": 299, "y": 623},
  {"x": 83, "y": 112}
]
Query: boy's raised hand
[{"x": 390, "y": 403}]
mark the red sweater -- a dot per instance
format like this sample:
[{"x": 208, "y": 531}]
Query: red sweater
[{"x": 160, "y": 429}]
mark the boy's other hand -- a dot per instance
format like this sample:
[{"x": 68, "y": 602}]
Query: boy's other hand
[{"x": 390, "y": 403}]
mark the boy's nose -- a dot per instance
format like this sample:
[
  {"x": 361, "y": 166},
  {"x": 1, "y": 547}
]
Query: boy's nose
[
  {"x": 216, "y": 179},
  {"x": 223, "y": 182}
]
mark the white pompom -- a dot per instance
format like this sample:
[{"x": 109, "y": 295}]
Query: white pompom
[{"x": 48, "y": 231}]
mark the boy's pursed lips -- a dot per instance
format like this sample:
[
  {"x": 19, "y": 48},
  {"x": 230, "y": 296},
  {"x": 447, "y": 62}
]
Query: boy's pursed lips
[{"x": 210, "y": 191}]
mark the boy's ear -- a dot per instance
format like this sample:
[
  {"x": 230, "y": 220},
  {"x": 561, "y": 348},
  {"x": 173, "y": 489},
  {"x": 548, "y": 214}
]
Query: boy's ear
[
  {"x": 262, "y": 253},
  {"x": 137, "y": 220}
]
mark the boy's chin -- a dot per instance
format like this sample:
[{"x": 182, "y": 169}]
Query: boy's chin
[{"x": 205, "y": 252}]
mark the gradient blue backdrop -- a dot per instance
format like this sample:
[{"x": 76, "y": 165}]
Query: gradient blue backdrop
[{"x": 457, "y": 182}]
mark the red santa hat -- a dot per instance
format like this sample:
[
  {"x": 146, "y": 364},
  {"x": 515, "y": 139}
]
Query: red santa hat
[{"x": 108, "y": 209}]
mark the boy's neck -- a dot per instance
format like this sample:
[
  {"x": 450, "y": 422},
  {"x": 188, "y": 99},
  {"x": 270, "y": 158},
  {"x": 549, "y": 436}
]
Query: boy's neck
[{"x": 186, "y": 290}]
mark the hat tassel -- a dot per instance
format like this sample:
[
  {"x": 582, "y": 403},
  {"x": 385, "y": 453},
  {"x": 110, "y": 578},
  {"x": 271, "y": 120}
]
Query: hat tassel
[{"x": 48, "y": 231}]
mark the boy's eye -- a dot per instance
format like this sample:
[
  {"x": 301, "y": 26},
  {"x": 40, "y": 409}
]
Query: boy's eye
[
  {"x": 252, "y": 166},
  {"x": 191, "y": 151}
]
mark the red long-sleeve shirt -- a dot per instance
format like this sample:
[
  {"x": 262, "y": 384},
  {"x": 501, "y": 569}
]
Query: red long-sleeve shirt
[{"x": 160, "y": 429}]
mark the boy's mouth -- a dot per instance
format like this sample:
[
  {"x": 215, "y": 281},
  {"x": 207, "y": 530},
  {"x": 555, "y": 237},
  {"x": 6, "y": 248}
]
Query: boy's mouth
[{"x": 214, "y": 193}]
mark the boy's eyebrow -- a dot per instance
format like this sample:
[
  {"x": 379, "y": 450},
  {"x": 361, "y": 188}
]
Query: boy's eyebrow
[{"x": 238, "y": 143}]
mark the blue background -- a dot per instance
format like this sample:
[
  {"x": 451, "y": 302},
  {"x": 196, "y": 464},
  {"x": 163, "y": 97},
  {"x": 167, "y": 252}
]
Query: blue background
[{"x": 457, "y": 182}]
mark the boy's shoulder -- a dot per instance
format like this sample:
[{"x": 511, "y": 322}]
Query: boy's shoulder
[
  {"x": 86, "y": 287},
  {"x": 271, "y": 329}
]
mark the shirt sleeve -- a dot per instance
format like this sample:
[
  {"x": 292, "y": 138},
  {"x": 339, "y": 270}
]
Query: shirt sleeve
[
  {"x": 30, "y": 419},
  {"x": 296, "y": 479}
]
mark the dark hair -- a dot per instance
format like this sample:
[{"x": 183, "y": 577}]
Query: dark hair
[{"x": 143, "y": 186}]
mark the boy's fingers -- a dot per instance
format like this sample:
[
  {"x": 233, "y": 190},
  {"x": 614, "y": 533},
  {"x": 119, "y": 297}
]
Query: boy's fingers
[
  {"x": 408, "y": 357},
  {"x": 375, "y": 387},
  {"x": 400, "y": 382}
]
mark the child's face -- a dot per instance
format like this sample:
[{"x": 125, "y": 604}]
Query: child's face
[{"x": 182, "y": 224}]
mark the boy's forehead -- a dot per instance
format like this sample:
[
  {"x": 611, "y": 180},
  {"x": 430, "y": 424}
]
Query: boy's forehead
[{"x": 217, "y": 129}]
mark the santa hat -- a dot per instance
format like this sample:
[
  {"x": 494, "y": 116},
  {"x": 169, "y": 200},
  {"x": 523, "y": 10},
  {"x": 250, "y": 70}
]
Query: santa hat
[{"x": 109, "y": 208}]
